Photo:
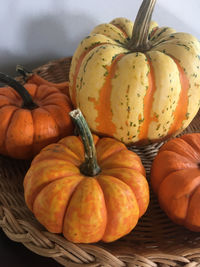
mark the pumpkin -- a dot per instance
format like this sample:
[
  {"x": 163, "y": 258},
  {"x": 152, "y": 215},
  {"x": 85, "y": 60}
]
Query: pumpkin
[
  {"x": 87, "y": 188},
  {"x": 35, "y": 78},
  {"x": 31, "y": 117},
  {"x": 175, "y": 178},
  {"x": 138, "y": 83}
]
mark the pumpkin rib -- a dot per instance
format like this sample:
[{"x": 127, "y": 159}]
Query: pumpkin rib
[
  {"x": 115, "y": 149},
  {"x": 37, "y": 79},
  {"x": 57, "y": 115},
  {"x": 7, "y": 105},
  {"x": 153, "y": 31},
  {"x": 113, "y": 155},
  {"x": 174, "y": 39},
  {"x": 180, "y": 113},
  {"x": 53, "y": 100},
  {"x": 148, "y": 103},
  {"x": 87, "y": 203},
  {"x": 51, "y": 96},
  {"x": 52, "y": 148},
  {"x": 111, "y": 31},
  {"x": 30, "y": 199},
  {"x": 192, "y": 141},
  {"x": 43, "y": 93},
  {"x": 163, "y": 188},
  {"x": 181, "y": 109},
  {"x": 20, "y": 134},
  {"x": 115, "y": 161},
  {"x": 3, "y": 138},
  {"x": 77, "y": 69},
  {"x": 190, "y": 196},
  {"x": 175, "y": 145},
  {"x": 159, "y": 38},
  {"x": 9, "y": 92},
  {"x": 119, "y": 173},
  {"x": 102, "y": 105},
  {"x": 37, "y": 192},
  {"x": 36, "y": 119},
  {"x": 44, "y": 193},
  {"x": 78, "y": 144},
  {"x": 124, "y": 201},
  {"x": 191, "y": 220},
  {"x": 9, "y": 125},
  {"x": 56, "y": 101},
  {"x": 157, "y": 174},
  {"x": 121, "y": 29},
  {"x": 11, "y": 100}
]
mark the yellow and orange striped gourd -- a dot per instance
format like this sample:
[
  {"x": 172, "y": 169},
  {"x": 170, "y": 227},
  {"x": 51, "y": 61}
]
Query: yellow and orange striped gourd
[{"x": 136, "y": 82}]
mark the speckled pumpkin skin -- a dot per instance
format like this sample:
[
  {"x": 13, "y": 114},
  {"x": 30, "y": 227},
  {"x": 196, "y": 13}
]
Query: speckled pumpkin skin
[
  {"x": 87, "y": 209},
  {"x": 136, "y": 97}
]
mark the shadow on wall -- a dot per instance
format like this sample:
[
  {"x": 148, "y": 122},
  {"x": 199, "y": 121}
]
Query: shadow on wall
[{"x": 47, "y": 38}]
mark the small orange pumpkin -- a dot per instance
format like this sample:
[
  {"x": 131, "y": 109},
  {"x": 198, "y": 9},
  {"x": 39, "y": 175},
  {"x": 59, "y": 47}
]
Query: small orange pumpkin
[
  {"x": 70, "y": 193},
  {"x": 31, "y": 117},
  {"x": 175, "y": 178}
]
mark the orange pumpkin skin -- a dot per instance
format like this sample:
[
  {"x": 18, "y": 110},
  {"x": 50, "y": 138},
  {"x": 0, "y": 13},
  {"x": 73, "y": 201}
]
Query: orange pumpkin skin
[
  {"x": 175, "y": 178},
  {"x": 38, "y": 80},
  {"x": 87, "y": 209},
  {"x": 24, "y": 131}
]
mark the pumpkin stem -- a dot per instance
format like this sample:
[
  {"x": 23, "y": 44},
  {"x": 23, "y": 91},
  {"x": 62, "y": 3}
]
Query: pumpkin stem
[
  {"x": 90, "y": 166},
  {"x": 139, "y": 40},
  {"x": 27, "y": 99}
]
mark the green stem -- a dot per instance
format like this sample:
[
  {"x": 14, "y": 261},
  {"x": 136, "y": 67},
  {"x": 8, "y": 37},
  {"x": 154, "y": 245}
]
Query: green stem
[
  {"x": 139, "y": 41},
  {"x": 26, "y": 97},
  {"x": 90, "y": 166}
]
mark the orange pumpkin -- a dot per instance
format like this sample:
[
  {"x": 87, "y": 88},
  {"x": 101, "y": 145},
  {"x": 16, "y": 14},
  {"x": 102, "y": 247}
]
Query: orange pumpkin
[
  {"x": 175, "y": 178},
  {"x": 31, "y": 117},
  {"x": 31, "y": 77},
  {"x": 70, "y": 193}
]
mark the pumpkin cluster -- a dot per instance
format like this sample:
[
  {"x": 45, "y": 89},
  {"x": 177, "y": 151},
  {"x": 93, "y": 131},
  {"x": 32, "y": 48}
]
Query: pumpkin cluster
[{"x": 129, "y": 83}]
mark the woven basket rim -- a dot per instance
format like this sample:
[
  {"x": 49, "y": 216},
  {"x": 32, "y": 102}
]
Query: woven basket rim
[{"x": 33, "y": 236}]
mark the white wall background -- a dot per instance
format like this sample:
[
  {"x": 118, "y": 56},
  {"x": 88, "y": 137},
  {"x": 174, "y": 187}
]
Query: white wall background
[{"x": 36, "y": 31}]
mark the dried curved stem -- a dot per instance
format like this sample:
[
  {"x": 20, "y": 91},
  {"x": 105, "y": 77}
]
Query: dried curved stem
[
  {"x": 90, "y": 167},
  {"x": 139, "y": 40}
]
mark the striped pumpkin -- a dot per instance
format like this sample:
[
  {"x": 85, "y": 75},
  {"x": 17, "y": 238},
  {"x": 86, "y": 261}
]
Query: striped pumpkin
[{"x": 136, "y": 83}]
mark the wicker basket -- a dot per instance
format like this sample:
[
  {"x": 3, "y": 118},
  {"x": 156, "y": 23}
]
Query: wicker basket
[{"x": 155, "y": 241}]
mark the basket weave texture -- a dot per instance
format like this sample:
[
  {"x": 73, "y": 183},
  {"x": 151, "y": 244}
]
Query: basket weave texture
[{"x": 156, "y": 241}]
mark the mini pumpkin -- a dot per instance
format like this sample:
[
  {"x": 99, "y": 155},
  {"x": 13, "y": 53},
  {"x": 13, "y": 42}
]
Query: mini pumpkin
[
  {"x": 175, "y": 178},
  {"x": 138, "y": 82},
  {"x": 88, "y": 190},
  {"x": 32, "y": 116}
]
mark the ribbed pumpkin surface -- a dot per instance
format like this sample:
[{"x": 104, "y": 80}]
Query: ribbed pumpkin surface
[
  {"x": 175, "y": 178},
  {"x": 23, "y": 131},
  {"x": 87, "y": 209},
  {"x": 136, "y": 96}
]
